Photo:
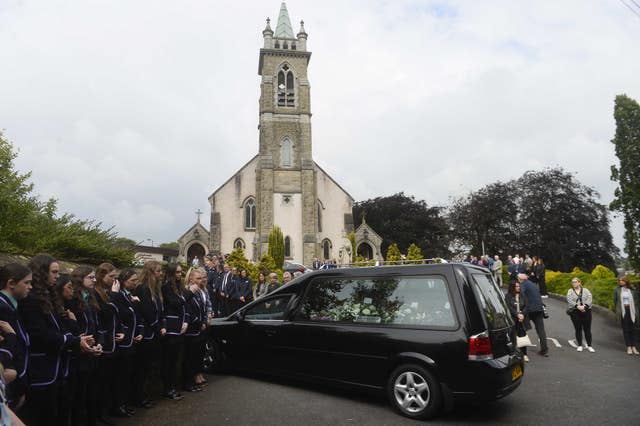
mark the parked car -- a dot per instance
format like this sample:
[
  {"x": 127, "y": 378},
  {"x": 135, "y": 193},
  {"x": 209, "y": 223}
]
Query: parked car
[
  {"x": 293, "y": 267},
  {"x": 424, "y": 334}
]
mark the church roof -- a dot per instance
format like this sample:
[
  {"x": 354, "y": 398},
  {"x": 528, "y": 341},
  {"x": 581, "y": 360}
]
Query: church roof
[{"x": 283, "y": 29}]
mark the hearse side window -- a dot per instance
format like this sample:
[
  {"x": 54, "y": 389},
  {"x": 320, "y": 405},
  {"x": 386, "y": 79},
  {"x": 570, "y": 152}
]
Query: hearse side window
[
  {"x": 272, "y": 309},
  {"x": 422, "y": 301},
  {"x": 493, "y": 304}
]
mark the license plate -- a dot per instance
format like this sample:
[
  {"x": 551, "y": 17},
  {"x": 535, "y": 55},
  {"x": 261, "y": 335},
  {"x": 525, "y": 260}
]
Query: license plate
[{"x": 516, "y": 373}]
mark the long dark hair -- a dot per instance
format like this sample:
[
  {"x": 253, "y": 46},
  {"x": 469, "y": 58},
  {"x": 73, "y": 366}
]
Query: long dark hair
[
  {"x": 124, "y": 276},
  {"x": 41, "y": 291},
  {"x": 512, "y": 288},
  {"x": 102, "y": 271},
  {"x": 12, "y": 271},
  {"x": 77, "y": 280},
  {"x": 171, "y": 280}
]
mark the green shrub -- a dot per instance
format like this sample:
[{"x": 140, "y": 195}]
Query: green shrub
[
  {"x": 393, "y": 254},
  {"x": 505, "y": 274},
  {"x": 600, "y": 288},
  {"x": 601, "y": 271}
]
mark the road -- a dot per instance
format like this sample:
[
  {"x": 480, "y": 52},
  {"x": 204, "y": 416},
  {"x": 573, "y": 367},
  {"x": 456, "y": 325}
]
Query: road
[{"x": 566, "y": 388}]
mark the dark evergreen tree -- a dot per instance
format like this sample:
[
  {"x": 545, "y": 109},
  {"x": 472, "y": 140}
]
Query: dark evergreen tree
[
  {"x": 405, "y": 220},
  {"x": 627, "y": 173}
]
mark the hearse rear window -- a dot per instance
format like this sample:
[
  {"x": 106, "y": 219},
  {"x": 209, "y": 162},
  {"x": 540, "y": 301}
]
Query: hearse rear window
[
  {"x": 422, "y": 301},
  {"x": 492, "y": 302}
]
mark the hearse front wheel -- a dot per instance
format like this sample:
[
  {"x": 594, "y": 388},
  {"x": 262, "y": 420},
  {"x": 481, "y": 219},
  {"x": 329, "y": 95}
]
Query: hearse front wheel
[{"x": 414, "y": 392}]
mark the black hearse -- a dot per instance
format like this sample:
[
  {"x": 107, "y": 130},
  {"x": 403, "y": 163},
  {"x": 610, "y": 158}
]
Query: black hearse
[{"x": 423, "y": 334}]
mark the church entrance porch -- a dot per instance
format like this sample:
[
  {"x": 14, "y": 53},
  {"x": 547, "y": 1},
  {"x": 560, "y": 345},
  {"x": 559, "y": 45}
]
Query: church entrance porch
[
  {"x": 365, "y": 250},
  {"x": 195, "y": 250}
]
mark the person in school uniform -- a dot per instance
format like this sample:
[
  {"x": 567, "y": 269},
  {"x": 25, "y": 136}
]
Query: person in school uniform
[
  {"x": 124, "y": 302},
  {"x": 109, "y": 335},
  {"x": 175, "y": 323},
  {"x": 193, "y": 337},
  {"x": 48, "y": 341},
  {"x": 15, "y": 284},
  {"x": 245, "y": 288},
  {"x": 84, "y": 307},
  {"x": 225, "y": 286},
  {"x": 149, "y": 310}
]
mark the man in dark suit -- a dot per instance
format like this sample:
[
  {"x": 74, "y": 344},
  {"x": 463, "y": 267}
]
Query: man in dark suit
[
  {"x": 225, "y": 286},
  {"x": 316, "y": 264}
]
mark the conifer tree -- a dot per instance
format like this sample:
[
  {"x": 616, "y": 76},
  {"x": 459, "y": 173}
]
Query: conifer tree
[
  {"x": 627, "y": 173},
  {"x": 414, "y": 254},
  {"x": 393, "y": 254},
  {"x": 276, "y": 246}
]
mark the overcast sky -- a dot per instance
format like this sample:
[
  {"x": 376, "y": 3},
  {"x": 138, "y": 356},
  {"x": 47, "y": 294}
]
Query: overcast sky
[{"x": 133, "y": 112}]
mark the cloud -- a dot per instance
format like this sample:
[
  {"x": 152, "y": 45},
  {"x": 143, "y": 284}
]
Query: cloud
[{"x": 132, "y": 113}]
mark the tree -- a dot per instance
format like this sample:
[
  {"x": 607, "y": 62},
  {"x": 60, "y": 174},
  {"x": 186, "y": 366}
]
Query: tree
[
  {"x": 405, "y": 220},
  {"x": 414, "y": 254},
  {"x": 546, "y": 213},
  {"x": 276, "y": 246},
  {"x": 29, "y": 226},
  {"x": 393, "y": 254},
  {"x": 172, "y": 245},
  {"x": 487, "y": 218},
  {"x": 627, "y": 173},
  {"x": 352, "y": 239}
]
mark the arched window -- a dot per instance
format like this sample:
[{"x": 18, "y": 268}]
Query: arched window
[
  {"x": 287, "y": 246},
  {"x": 250, "y": 214},
  {"x": 286, "y": 159},
  {"x": 326, "y": 249},
  {"x": 286, "y": 87},
  {"x": 239, "y": 243}
]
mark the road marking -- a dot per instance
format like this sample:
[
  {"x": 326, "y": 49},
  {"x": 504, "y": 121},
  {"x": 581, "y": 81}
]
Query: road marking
[{"x": 555, "y": 342}]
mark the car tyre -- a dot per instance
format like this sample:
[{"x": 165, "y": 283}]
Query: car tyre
[{"x": 414, "y": 392}]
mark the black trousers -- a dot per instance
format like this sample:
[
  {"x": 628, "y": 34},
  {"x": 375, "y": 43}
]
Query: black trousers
[
  {"x": 142, "y": 363},
  {"x": 170, "y": 352},
  {"x": 41, "y": 406},
  {"x": 542, "y": 284},
  {"x": 107, "y": 383},
  {"x": 582, "y": 323},
  {"x": 538, "y": 322},
  {"x": 193, "y": 358},
  {"x": 628, "y": 328},
  {"x": 84, "y": 393},
  {"x": 124, "y": 371}
]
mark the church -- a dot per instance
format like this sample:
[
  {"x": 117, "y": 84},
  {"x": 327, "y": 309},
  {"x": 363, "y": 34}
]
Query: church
[{"x": 281, "y": 185}]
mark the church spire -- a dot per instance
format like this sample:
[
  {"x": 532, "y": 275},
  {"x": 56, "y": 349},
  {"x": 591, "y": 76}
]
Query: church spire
[{"x": 283, "y": 29}]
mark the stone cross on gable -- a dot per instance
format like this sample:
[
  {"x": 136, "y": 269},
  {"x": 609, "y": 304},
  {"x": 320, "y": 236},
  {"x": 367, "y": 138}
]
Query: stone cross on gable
[{"x": 198, "y": 213}]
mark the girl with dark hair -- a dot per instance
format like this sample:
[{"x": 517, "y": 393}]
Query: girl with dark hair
[
  {"x": 627, "y": 301},
  {"x": 516, "y": 303},
  {"x": 124, "y": 301},
  {"x": 48, "y": 340},
  {"x": 109, "y": 332},
  {"x": 85, "y": 307},
  {"x": 149, "y": 312},
  {"x": 175, "y": 322},
  {"x": 64, "y": 294},
  {"x": 539, "y": 271},
  {"x": 15, "y": 284}
]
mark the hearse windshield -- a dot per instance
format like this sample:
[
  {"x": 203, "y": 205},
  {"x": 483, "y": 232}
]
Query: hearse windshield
[{"x": 492, "y": 301}]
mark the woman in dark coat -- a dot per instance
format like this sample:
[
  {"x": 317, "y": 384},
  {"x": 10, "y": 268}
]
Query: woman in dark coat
[
  {"x": 516, "y": 304},
  {"x": 193, "y": 337},
  {"x": 627, "y": 302},
  {"x": 40, "y": 315}
]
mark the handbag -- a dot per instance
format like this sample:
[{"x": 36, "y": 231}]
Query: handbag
[{"x": 522, "y": 341}]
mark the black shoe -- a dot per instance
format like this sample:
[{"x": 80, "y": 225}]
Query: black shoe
[
  {"x": 129, "y": 410},
  {"x": 105, "y": 421},
  {"x": 145, "y": 403},
  {"x": 543, "y": 353},
  {"x": 193, "y": 388}
]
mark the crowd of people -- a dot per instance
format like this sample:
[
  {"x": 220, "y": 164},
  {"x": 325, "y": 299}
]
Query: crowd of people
[{"x": 78, "y": 348}]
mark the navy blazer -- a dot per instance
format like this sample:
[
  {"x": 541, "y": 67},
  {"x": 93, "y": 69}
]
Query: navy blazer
[
  {"x": 127, "y": 315},
  {"x": 531, "y": 293},
  {"x": 108, "y": 325},
  {"x": 48, "y": 341},
  {"x": 175, "y": 313},
  {"x": 243, "y": 288},
  {"x": 20, "y": 352},
  {"x": 149, "y": 312},
  {"x": 195, "y": 306}
]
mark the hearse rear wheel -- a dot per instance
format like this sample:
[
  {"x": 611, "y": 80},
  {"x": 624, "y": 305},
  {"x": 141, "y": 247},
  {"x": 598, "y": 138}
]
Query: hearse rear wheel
[{"x": 414, "y": 392}]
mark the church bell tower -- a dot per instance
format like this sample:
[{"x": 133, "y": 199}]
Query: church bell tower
[{"x": 285, "y": 177}]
